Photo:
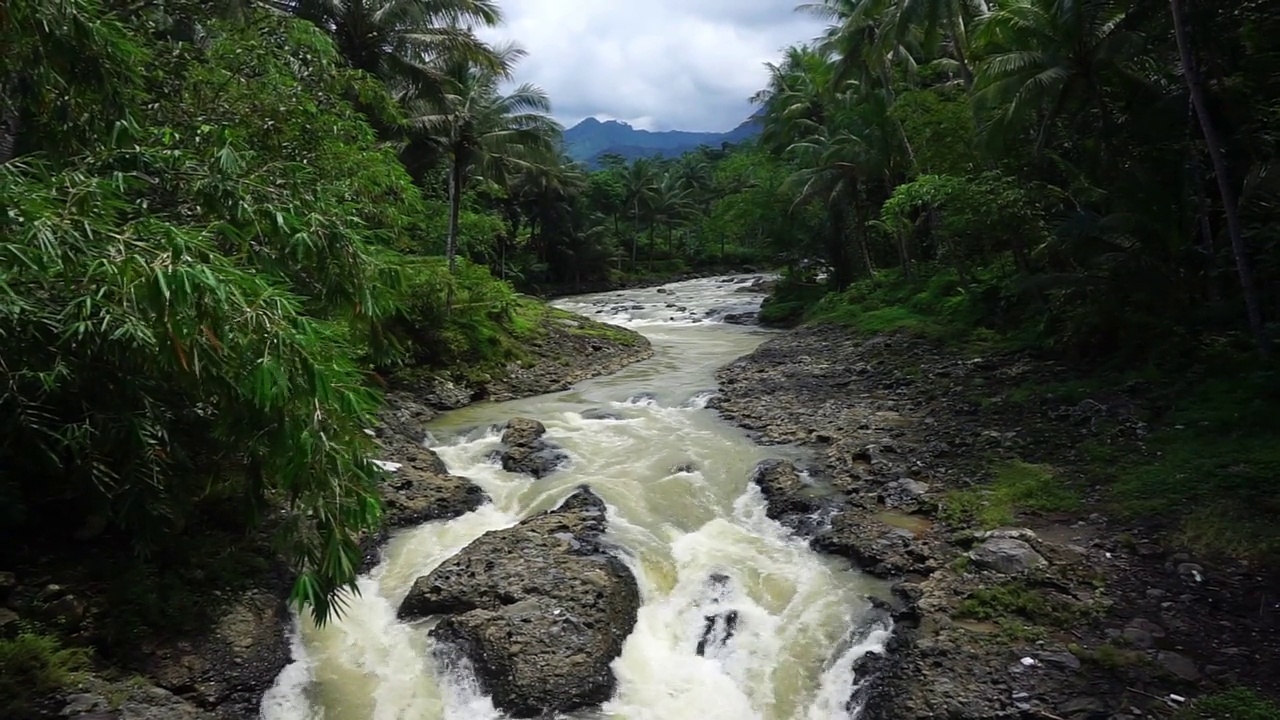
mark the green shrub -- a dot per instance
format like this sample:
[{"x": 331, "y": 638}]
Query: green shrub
[
  {"x": 32, "y": 667},
  {"x": 1235, "y": 704},
  {"x": 1016, "y": 486}
]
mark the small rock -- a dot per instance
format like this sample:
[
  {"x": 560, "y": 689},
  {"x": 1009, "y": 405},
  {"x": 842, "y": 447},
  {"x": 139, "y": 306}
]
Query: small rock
[
  {"x": 1083, "y": 707},
  {"x": 1065, "y": 660},
  {"x": 84, "y": 703},
  {"x": 1006, "y": 556},
  {"x": 1139, "y": 638},
  {"x": 903, "y": 493},
  {"x": 67, "y": 611},
  {"x": 1191, "y": 571},
  {"x": 1011, "y": 534},
  {"x": 1179, "y": 665}
]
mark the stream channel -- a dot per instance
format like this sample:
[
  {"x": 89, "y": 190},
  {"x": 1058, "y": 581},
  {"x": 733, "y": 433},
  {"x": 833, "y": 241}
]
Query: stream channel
[{"x": 676, "y": 479}]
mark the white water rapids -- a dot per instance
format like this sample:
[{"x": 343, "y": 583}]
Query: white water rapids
[{"x": 676, "y": 481}]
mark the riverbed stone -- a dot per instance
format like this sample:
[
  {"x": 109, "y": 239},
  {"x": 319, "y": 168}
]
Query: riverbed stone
[
  {"x": 785, "y": 491},
  {"x": 526, "y": 451},
  {"x": 1006, "y": 555},
  {"x": 903, "y": 493},
  {"x": 1179, "y": 665},
  {"x": 423, "y": 489},
  {"x": 540, "y": 609}
]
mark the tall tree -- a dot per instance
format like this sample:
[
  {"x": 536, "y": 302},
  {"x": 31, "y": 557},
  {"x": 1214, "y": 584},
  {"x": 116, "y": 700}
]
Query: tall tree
[
  {"x": 405, "y": 41},
  {"x": 1222, "y": 173},
  {"x": 479, "y": 129}
]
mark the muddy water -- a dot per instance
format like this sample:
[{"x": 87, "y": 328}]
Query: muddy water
[{"x": 682, "y": 509}]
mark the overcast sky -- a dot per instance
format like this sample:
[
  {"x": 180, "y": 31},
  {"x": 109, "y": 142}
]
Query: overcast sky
[{"x": 657, "y": 64}]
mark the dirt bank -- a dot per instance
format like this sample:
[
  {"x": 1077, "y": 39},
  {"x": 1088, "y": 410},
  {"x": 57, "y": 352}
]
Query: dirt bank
[{"x": 1019, "y": 595}]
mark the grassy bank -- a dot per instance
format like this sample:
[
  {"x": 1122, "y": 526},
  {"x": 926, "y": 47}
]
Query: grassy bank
[{"x": 1204, "y": 464}]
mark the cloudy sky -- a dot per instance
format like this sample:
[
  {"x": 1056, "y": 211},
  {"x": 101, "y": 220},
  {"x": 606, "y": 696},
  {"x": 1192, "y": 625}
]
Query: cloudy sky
[{"x": 657, "y": 64}]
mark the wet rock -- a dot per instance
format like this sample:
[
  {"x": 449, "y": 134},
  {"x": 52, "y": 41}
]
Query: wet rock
[
  {"x": 876, "y": 550},
  {"x": 600, "y": 414},
  {"x": 785, "y": 490},
  {"x": 1005, "y": 555},
  {"x": 718, "y": 627},
  {"x": 684, "y": 468},
  {"x": 741, "y": 318},
  {"x": 526, "y": 451},
  {"x": 422, "y": 489},
  {"x": 540, "y": 609},
  {"x": 229, "y": 666}
]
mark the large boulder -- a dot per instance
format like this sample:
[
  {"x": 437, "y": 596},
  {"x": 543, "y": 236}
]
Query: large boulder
[
  {"x": 525, "y": 450},
  {"x": 1006, "y": 555},
  {"x": 540, "y": 609}
]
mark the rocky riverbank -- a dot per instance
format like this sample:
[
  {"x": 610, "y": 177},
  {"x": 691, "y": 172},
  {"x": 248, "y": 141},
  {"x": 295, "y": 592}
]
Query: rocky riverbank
[
  {"x": 220, "y": 667},
  {"x": 1044, "y": 609}
]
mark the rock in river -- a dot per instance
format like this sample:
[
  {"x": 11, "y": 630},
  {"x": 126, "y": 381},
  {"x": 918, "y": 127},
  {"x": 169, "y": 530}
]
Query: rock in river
[
  {"x": 790, "y": 499},
  {"x": 422, "y": 489},
  {"x": 526, "y": 451},
  {"x": 540, "y": 609}
]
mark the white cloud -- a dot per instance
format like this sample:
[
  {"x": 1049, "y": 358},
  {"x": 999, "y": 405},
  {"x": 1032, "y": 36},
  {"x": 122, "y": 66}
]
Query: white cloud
[{"x": 657, "y": 64}]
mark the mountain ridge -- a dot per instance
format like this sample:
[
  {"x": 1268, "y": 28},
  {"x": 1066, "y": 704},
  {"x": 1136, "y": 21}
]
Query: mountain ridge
[{"x": 593, "y": 138}]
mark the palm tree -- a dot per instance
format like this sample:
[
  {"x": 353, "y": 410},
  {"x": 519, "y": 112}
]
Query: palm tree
[
  {"x": 796, "y": 100},
  {"x": 481, "y": 130},
  {"x": 670, "y": 204},
  {"x": 838, "y": 163},
  {"x": 639, "y": 182},
  {"x": 405, "y": 41},
  {"x": 1051, "y": 56}
]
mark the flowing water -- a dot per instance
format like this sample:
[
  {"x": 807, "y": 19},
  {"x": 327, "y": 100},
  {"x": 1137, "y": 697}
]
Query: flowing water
[{"x": 681, "y": 507}]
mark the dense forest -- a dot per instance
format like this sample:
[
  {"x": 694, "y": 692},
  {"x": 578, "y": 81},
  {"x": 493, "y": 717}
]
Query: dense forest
[
  {"x": 222, "y": 223},
  {"x": 1097, "y": 174}
]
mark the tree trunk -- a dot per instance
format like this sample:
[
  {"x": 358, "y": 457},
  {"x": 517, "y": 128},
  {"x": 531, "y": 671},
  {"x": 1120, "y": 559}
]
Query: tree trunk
[
  {"x": 1204, "y": 228},
  {"x": 10, "y": 125},
  {"x": 958, "y": 38},
  {"x": 1217, "y": 154},
  {"x": 455, "y": 210},
  {"x": 838, "y": 249}
]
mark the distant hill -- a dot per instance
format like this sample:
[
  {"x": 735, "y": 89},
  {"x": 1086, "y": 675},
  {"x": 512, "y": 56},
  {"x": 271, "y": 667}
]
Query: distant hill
[{"x": 591, "y": 138}]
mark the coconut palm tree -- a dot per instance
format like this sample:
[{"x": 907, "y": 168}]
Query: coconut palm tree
[
  {"x": 480, "y": 130},
  {"x": 1051, "y": 57},
  {"x": 404, "y": 41},
  {"x": 639, "y": 182}
]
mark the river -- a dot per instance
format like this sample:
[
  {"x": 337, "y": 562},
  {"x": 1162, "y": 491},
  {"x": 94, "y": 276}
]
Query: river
[{"x": 676, "y": 479}]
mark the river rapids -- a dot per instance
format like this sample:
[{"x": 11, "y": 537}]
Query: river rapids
[{"x": 676, "y": 481}]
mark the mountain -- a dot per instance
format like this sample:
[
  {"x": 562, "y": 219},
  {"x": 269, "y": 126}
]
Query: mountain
[{"x": 592, "y": 138}]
